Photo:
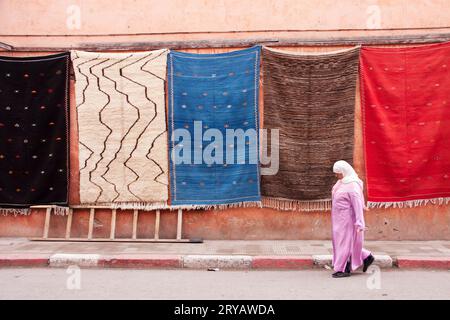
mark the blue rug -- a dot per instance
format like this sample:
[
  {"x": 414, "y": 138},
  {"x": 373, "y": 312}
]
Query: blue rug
[{"x": 210, "y": 94}]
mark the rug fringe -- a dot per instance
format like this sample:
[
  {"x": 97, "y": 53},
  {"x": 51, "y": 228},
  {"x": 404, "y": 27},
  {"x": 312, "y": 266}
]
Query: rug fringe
[
  {"x": 297, "y": 205},
  {"x": 60, "y": 211},
  {"x": 246, "y": 204},
  {"x": 144, "y": 206},
  {"x": 409, "y": 203},
  {"x": 57, "y": 210},
  {"x": 243, "y": 204},
  {"x": 15, "y": 211}
]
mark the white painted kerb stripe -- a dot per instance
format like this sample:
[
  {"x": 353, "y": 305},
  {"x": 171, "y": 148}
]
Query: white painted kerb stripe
[{"x": 69, "y": 259}]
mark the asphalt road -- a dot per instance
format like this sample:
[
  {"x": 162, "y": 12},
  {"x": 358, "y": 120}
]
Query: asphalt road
[{"x": 76, "y": 283}]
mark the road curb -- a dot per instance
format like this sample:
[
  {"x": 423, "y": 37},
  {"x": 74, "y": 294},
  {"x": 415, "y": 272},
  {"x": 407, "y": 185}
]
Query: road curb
[
  {"x": 217, "y": 261},
  {"x": 141, "y": 261},
  {"x": 24, "y": 260},
  {"x": 282, "y": 262},
  {"x": 381, "y": 260},
  {"x": 204, "y": 262},
  {"x": 423, "y": 263},
  {"x": 59, "y": 260}
]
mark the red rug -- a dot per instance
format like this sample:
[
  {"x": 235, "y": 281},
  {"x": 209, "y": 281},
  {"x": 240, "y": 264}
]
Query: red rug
[{"x": 405, "y": 98}]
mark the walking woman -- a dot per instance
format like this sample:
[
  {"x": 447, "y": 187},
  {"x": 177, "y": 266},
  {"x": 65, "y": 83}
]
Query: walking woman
[{"x": 348, "y": 222}]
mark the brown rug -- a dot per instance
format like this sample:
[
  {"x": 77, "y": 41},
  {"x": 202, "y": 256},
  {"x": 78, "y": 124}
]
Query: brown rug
[{"x": 311, "y": 99}]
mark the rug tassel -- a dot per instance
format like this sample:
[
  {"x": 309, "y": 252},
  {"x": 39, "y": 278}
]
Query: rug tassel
[
  {"x": 296, "y": 205},
  {"x": 163, "y": 205},
  {"x": 15, "y": 211},
  {"x": 60, "y": 211},
  {"x": 244, "y": 204},
  {"x": 144, "y": 206},
  {"x": 408, "y": 204},
  {"x": 248, "y": 204}
]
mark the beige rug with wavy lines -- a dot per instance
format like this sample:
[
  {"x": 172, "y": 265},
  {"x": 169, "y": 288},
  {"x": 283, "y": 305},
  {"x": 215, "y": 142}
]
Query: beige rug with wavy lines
[{"x": 122, "y": 128}]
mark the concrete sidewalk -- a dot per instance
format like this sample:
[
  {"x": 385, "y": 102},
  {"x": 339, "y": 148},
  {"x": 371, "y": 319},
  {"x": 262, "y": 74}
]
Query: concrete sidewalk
[{"x": 271, "y": 255}]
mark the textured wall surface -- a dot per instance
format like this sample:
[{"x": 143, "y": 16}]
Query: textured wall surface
[{"x": 45, "y": 23}]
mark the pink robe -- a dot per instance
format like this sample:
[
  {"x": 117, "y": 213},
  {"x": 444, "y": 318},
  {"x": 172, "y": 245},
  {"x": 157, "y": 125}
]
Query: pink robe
[{"x": 346, "y": 217}]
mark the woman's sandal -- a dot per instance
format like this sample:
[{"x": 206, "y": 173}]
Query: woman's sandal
[
  {"x": 348, "y": 267},
  {"x": 341, "y": 274},
  {"x": 367, "y": 262}
]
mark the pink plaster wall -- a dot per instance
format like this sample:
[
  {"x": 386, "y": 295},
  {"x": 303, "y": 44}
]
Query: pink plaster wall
[
  {"x": 133, "y": 16},
  {"x": 43, "y": 23}
]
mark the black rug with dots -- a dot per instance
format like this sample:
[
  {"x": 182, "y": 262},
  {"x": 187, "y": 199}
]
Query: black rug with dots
[{"x": 34, "y": 116}]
